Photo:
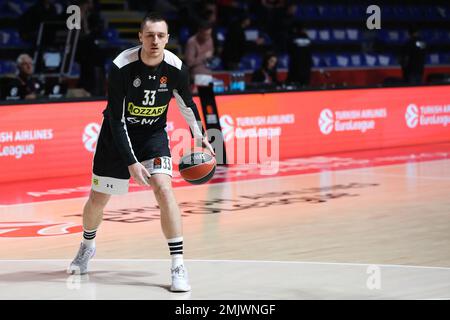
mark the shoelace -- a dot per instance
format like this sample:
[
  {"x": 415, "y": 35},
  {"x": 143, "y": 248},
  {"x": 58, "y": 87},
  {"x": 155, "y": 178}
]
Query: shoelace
[
  {"x": 82, "y": 254},
  {"x": 179, "y": 271}
]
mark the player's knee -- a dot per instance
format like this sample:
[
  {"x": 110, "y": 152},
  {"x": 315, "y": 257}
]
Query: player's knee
[
  {"x": 162, "y": 191},
  {"x": 97, "y": 201}
]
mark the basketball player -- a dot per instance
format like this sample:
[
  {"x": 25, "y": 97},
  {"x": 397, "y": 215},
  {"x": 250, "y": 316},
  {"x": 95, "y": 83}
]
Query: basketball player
[{"x": 133, "y": 140}]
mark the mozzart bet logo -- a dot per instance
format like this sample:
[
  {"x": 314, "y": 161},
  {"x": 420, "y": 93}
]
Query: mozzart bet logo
[
  {"x": 349, "y": 120},
  {"x": 437, "y": 115},
  {"x": 37, "y": 229},
  {"x": 90, "y": 136},
  {"x": 254, "y": 127}
]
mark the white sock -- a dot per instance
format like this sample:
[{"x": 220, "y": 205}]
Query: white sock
[
  {"x": 176, "y": 251},
  {"x": 177, "y": 260},
  {"x": 89, "y": 238}
]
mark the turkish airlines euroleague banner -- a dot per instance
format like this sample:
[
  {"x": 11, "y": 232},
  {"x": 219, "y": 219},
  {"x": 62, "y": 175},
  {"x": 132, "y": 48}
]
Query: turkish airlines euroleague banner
[
  {"x": 58, "y": 139},
  {"x": 55, "y": 139},
  {"x": 319, "y": 122}
]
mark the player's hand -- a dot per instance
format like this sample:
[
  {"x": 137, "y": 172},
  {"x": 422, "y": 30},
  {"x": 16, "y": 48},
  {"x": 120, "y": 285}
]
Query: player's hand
[
  {"x": 139, "y": 174},
  {"x": 204, "y": 143},
  {"x": 209, "y": 54}
]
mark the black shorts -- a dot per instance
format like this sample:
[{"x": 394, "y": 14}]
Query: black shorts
[{"x": 110, "y": 172}]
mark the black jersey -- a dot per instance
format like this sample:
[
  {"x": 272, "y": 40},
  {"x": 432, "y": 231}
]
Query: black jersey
[{"x": 138, "y": 99}]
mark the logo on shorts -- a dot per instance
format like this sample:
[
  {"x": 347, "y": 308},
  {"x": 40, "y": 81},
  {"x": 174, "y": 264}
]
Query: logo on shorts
[
  {"x": 157, "y": 163},
  {"x": 137, "y": 82},
  {"x": 95, "y": 181}
]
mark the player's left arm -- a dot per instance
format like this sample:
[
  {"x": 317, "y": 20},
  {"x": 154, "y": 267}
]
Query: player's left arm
[{"x": 189, "y": 110}]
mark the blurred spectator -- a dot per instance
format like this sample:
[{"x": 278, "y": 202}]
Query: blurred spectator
[
  {"x": 227, "y": 10},
  {"x": 271, "y": 14},
  {"x": 210, "y": 11},
  {"x": 199, "y": 51},
  {"x": 235, "y": 43},
  {"x": 89, "y": 55},
  {"x": 286, "y": 27},
  {"x": 194, "y": 13},
  {"x": 412, "y": 58},
  {"x": 30, "y": 21},
  {"x": 267, "y": 74},
  {"x": 300, "y": 57},
  {"x": 29, "y": 86}
]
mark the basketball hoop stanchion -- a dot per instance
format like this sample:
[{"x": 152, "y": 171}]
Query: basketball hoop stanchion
[{"x": 212, "y": 121}]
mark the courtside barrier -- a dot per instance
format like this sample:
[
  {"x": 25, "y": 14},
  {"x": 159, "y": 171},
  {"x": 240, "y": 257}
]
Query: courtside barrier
[{"x": 58, "y": 139}]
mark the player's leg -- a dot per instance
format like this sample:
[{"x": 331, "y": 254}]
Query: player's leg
[
  {"x": 110, "y": 176},
  {"x": 92, "y": 217},
  {"x": 171, "y": 225},
  {"x": 93, "y": 209},
  {"x": 170, "y": 213}
]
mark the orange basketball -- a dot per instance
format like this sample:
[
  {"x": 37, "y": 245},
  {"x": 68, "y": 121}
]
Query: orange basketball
[{"x": 197, "y": 167}]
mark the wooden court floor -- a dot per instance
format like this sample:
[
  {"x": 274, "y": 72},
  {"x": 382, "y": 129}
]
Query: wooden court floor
[{"x": 303, "y": 236}]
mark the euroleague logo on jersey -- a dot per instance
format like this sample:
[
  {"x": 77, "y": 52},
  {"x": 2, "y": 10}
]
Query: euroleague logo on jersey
[
  {"x": 90, "y": 136},
  {"x": 163, "y": 80},
  {"x": 28, "y": 229}
]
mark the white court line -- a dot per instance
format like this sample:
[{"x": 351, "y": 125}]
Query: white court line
[
  {"x": 406, "y": 176},
  {"x": 338, "y": 171},
  {"x": 235, "y": 261}
]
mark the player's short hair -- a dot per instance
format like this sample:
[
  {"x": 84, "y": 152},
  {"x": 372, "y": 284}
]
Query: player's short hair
[{"x": 153, "y": 16}]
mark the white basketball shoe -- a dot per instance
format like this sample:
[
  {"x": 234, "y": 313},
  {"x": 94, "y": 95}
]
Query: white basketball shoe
[
  {"x": 180, "y": 280},
  {"x": 79, "y": 265}
]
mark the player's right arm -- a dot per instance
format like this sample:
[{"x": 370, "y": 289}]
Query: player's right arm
[{"x": 116, "y": 118}]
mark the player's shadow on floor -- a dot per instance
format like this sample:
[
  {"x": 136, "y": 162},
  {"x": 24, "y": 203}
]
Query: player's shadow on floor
[{"x": 100, "y": 277}]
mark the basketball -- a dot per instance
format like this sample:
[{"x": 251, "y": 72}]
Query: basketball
[{"x": 197, "y": 167}]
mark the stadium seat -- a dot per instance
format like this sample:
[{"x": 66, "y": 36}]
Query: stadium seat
[
  {"x": 251, "y": 34},
  {"x": 184, "y": 35},
  {"x": 283, "y": 61},
  {"x": 433, "y": 58},
  {"x": 370, "y": 60},
  {"x": 251, "y": 61},
  {"x": 317, "y": 61},
  {"x": 356, "y": 60},
  {"x": 75, "y": 71},
  {"x": 356, "y": 12},
  {"x": 338, "y": 35},
  {"x": 324, "y": 35},
  {"x": 342, "y": 60},
  {"x": 221, "y": 34},
  {"x": 313, "y": 34},
  {"x": 7, "y": 66},
  {"x": 386, "y": 60},
  {"x": 308, "y": 12},
  {"x": 353, "y": 34},
  {"x": 334, "y": 12}
]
